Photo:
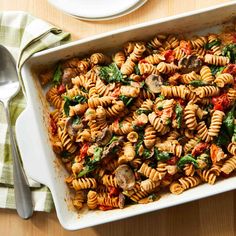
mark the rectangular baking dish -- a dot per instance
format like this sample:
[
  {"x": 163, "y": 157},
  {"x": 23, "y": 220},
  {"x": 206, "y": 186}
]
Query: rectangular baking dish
[{"x": 31, "y": 128}]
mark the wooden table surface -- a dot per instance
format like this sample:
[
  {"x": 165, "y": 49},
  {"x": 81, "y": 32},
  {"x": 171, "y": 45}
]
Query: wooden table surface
[{"x": 211, "y": 216}]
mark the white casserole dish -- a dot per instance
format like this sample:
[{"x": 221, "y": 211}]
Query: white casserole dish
[{"x": 31, "y": 128}]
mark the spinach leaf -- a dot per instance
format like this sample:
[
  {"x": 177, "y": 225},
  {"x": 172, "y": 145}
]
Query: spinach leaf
[
  {"x": 57, "y": 75},
  {"x": 229, "y": 121},
  {"x": 223, "y": 138},
  {"x": 160, "y": 107},
  {"x": 161, "y": 156},
  {"x": 147, "y": 154},
  {"x": 216, "y": 69},
  {"x": 76, "y": 120},
  {"x": 208, "y": 46},
  {"x": 185, "y": 160},
  {"x": 168, "y": 121},
  {"x": 234, "y": 134},
  {"x": 88, "y": 168},
  {"x": 84, "y": 90},
  {"x": 140, "y": 142},
  {"x": 197, "y": 83},
  {"x": 97, "y": 154},
  {"x": 126, "y": 100},
  {"x": 79, "y": 99},
  {"x": 230, "y": 52},
  {"x": 91, "y": 164},
  {"x": 136, "y": 70},
  {"x": 179, "y": 114},
  {"x": 66, "y": 105},
  {"x": 113, "y": 139},
  {"x": 161, "y": 97},
  {"x": 204, "y": 161},
  {"x": 112, "y": 74},
  {"x": 143, "y": 111}
]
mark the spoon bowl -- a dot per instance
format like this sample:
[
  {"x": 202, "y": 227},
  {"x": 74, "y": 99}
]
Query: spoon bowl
[{"x": 9, "y": 87}]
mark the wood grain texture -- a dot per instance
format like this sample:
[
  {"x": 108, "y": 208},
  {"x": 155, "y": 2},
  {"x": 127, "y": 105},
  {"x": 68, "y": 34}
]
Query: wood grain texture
[{"x": 215, "y": 216}]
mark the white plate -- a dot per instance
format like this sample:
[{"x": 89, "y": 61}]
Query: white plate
[{"x": 97, "y": 9}]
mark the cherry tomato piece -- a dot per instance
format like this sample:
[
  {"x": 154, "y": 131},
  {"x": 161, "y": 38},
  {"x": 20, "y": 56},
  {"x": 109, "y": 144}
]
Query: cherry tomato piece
[{"x": 61, "y": 89}]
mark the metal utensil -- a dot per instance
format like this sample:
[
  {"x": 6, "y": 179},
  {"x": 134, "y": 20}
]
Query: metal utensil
[{"x": 9, "y": 87}]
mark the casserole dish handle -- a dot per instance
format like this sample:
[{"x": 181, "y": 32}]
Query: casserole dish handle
[{"x": 27, "y": 139}]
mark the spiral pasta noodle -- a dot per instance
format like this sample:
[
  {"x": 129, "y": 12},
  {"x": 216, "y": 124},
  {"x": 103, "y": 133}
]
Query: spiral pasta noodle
[
  {"x": 105, "y": 200},
  {"x": 166, "y": 68},
  {"x": 206, "y": 75},
  {"x": 79, "y": 199},
  {"x": 92, "y": 200},
  {"x": 149, "y": 172},
  {"x": 84, "y": 183},
  {"x": 109, "y": 180},
  {"x": 171, "y": 146},
  {"x": 216, "y": 122},
  {"x": 231, "y": 94},
  {"x": 119, "y": 58},
  {"x": 189, "y": 169},
  {"x": 216, "y": 60},
  {"x": 223, "y": 79},
  {"x": 190, "y": 116},
  {"x": 229, "y": 165},
  {"x": 66, "y": 141},
  {"x": 128, "y": 67},
  {"x": 184, "y": 183},
  {"x": 207, "y": 91},
  {"x": 232, "y": 148},
  {"x": 149, "y": 136},
  {"x": 136, "y": 54},
  {"x": 203, "y": 132},
  {"x": 99, "y": 58},
  {"x": 210, "y": 175},
  {"x": 149, "y": 185},
  {"x": 94, "y": 102},
  {"x": 187, "y": 78},
  {"x": 146, "y": 68},
  {"x": 156, "y": 122},
  {"x": 198, "y": 42},
  {"x": 53, "y": 98},
  {"x": 215, "y": 48},
  {"x": 174, "y": 91}
]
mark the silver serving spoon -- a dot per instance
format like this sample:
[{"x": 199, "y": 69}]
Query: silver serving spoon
[{"x": 9, "y": 87}]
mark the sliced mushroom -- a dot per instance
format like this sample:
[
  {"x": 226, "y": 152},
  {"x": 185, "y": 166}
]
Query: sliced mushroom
[
  {"x": 125, "y": 177},
  {"x": 154, "y": 83},
  {"x": 104, "y": 138},
  {"x": 190, "y": 63},
  {"x": 108, "y": 150},
  {"x": 71, "y": 127},
  {"x": 68, "y": 74}
]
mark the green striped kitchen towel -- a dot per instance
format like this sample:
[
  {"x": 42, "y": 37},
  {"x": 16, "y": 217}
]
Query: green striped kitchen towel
[{"x": 23, "y": 35}]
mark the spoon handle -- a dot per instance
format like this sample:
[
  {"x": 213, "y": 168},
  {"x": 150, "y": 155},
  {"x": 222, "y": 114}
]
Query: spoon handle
[{"x": 23, "y": 197}]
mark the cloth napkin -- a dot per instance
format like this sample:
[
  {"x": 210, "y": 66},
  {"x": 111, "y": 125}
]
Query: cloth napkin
[{"x": 23, "y": 35}]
